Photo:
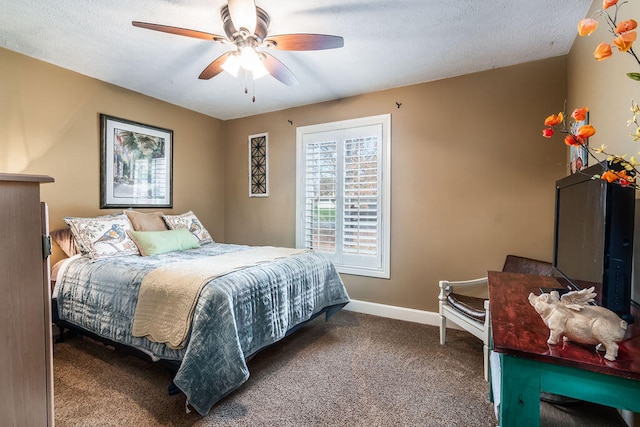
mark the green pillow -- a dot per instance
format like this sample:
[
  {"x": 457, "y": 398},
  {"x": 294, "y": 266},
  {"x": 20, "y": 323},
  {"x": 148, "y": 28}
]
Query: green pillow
[{"x": 160, "y": 242}]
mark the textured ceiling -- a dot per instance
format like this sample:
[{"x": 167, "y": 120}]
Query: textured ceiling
[{"x": 387, "y": 44}]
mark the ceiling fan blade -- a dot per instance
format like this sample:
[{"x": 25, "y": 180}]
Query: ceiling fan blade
[
  {"x": 278, "y": 70},
  {"x": 179, "y": 31},
  {"x": 304, "y": 42},
  {"x": 243, "y": 14},
  {"x": 215, "y": 67}
]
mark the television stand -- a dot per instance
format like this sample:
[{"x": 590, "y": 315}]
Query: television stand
[{"x": 530, "y": 366}]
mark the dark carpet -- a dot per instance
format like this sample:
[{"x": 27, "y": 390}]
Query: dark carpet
[{"x": 354, "y": 370}]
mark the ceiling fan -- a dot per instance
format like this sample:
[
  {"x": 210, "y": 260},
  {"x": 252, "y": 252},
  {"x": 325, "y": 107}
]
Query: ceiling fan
[{"x": 246, "y": 26}]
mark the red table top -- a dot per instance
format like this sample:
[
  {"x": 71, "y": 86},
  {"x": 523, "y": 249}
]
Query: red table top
[{"x": 519, "y": 330}]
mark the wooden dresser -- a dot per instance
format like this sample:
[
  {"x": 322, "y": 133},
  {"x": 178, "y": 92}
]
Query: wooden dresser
[{"x": 26, "y": 352}]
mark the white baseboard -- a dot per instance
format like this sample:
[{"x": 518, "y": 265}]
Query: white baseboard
[{"x": 393, "y": 312}]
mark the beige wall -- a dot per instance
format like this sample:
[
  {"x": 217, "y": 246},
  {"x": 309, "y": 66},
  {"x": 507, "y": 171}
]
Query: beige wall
[
  {"x": 472, "y": 178},
  {"x": 49, "y": 124}
]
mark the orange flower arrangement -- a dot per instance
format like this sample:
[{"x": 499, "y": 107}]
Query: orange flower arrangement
[{"x": 619, "y": 169}]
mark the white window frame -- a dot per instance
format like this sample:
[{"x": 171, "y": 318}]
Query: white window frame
[{"x": 382, "y": 270}]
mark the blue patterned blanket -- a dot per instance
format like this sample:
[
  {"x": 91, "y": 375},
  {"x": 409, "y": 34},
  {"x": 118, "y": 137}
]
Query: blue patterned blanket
[{"x": 236, "y": 315}]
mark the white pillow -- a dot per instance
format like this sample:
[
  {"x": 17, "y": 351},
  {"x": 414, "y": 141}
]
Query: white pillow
[{"x": 103, "y": 236}]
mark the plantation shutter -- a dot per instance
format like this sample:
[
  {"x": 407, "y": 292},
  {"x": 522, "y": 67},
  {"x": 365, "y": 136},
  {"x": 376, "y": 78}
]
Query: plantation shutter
[
  {"x": 361, "y": 192},
  {"x": 343, "y": 193},
  {"x": 321, "y": 184}
]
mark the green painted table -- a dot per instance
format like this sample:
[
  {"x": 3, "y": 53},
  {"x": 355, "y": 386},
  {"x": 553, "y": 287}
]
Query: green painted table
[{"x": 529, "y": 365}]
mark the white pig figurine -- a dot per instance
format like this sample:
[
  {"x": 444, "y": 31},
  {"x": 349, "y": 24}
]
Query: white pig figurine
[{"x": 574, "y": 319}]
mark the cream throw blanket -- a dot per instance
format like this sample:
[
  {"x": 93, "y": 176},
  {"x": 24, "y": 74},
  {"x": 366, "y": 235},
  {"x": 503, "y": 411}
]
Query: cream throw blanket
[{"x": 168, "y": 294}]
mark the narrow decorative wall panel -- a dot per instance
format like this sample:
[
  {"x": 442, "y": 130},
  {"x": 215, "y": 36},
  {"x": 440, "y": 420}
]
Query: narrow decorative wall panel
[{"x": 259, "y": 165}]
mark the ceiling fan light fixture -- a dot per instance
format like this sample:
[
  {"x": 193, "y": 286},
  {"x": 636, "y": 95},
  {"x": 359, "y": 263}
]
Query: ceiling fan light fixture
[
  {"x": 249, "y": 60},
  {"x": 232, "y": 64}
]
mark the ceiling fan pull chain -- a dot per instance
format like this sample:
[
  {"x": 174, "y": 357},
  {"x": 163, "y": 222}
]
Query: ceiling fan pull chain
[{"x": 245, "y": 76}]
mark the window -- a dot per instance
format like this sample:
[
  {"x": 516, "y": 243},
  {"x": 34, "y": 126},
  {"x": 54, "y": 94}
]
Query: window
[{"x": 343, "y": 186}]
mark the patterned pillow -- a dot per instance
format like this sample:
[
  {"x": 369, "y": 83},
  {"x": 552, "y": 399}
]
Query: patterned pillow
[
  {"x": 192, "y": 223},
  {"x": 103, "y": 236}
]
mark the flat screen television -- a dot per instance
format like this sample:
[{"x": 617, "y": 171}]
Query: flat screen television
[{"x": 593, "y": 244}]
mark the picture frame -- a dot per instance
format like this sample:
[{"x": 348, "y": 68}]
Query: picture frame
[
  {"x": 579, "y": 156},
  {"x": 136, "y": 164},
  {"x": 259, "y": 165}
]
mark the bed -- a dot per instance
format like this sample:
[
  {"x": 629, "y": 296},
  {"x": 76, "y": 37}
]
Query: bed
[{"x": 235, "y": 313}]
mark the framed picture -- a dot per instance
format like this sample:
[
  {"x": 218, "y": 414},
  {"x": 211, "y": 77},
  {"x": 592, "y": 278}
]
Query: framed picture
[
  {"x": 579, "y": 156},
  {"x": 259, "y": 165},
  {"x": 136, "y": 164}
]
